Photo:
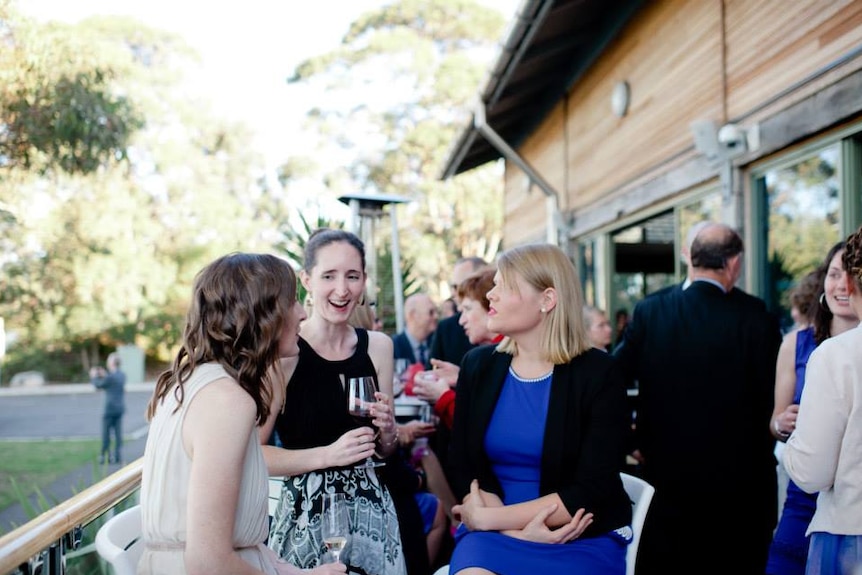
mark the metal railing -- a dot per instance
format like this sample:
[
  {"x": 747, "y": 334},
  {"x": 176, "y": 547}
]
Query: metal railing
[{"x": 42, "y": 545}]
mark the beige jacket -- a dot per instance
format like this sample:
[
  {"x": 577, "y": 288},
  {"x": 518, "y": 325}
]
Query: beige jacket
[{"x": 824, "y": 453}]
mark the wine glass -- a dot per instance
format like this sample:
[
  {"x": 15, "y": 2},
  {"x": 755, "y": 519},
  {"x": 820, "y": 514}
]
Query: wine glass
[
  {"x": 399, "y": 375},
  {"x": 334, "y": 523},
  {"x": 360, "y": 398}
]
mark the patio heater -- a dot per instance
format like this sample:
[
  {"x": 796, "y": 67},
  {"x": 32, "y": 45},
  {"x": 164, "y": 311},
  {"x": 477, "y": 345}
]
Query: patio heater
[{"x": 365, "y": 210}]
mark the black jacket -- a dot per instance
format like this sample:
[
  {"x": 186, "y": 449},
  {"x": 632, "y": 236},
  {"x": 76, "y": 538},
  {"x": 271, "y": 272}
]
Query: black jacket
[
  {"x": 584, "y": 440},
  {"x": 450, "y": 343}
]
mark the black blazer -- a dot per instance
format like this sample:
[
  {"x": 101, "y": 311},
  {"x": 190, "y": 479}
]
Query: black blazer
[
  {"x": 402, "y": 348},
  {"x": 705, "y": 366},
  {"x": 585, "y": 433},
  {"x": 450, "y": 343}
]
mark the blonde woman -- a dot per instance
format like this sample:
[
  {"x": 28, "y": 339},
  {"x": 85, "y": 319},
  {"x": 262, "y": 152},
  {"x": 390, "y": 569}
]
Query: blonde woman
[{"x": 540, "y": 430}]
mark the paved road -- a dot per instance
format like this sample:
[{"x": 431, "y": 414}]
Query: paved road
[
  {"x": 66, "y": 415},
  {"x": 70, "y": 411}
]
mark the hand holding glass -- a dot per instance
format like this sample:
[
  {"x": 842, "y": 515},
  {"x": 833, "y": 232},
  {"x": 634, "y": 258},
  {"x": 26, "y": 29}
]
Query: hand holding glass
[
  {"x": 360, "y": 398},
  {"x": 334, "y": 523}
]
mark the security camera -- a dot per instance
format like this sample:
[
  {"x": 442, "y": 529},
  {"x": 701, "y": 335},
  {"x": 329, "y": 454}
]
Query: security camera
[{"x": 732, "y": 137}]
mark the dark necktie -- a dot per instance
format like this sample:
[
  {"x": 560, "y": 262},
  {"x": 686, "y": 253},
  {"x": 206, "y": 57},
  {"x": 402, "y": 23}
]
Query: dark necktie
[{"x": 423, "y": 354}]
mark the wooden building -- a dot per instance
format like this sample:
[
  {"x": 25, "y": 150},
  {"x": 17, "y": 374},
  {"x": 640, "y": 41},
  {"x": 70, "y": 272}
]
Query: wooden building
[{"x": 622, "y": 123}]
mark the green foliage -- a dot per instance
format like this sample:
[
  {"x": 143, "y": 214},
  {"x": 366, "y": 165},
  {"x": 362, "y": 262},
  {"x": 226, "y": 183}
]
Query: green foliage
[
  {"x": 31, "y": 466},
  {"x": 431, "y": 56},
  {"x": 118, "y": 186},
  {"x": 386, "y": 295},
  {"x": 38, "y": 464},
  {"x": 59, "y": 106}
]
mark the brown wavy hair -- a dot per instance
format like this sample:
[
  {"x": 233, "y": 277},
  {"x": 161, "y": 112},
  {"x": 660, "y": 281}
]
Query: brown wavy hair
[{"x": 240, "y": 303}]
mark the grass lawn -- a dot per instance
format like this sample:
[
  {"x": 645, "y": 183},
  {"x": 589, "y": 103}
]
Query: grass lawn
[{"x": 37, "y": 464}]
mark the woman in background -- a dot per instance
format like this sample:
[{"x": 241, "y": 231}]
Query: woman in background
[
  {"x": 598, "y": 327},
  {"x": 824, "y": 451},
  {"x": 204, "y": 487},
  {"x": 438, "y": 388}
]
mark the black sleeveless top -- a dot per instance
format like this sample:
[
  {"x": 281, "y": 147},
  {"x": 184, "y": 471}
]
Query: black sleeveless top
[{"x": 315, "y": 406}]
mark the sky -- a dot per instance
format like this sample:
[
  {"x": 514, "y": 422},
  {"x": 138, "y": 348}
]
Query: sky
[{"x": 249, "y": 48}]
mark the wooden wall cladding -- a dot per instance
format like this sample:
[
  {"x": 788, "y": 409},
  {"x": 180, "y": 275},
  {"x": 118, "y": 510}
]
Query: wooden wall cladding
[
  {"x": 526, "y": 211},
  {"x": 670, "y": 54},
  {"x": 773, "y": 44}
]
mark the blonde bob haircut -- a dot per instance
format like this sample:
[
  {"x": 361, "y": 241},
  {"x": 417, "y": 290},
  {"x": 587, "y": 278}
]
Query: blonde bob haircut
[{"x": 546, "y": 266}]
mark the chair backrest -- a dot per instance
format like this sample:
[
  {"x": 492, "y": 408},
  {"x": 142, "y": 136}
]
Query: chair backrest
[
  {"x": 640, "y": 492},
  {"x": 119, "y": 541}
]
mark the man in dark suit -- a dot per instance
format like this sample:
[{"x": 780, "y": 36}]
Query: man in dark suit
[
  {"x": 704, "y": 358},
  {"x": 420, "y": 321},
  {"x": 450, "y": 343}
]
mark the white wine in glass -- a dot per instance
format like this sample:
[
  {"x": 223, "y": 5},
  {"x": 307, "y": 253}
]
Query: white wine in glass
[
  {"x": 360, "y": 398},
  {"x": 334, "y": 523}
]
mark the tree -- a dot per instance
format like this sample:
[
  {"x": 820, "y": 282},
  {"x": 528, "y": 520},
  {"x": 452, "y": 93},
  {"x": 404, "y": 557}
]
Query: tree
[
  {"x": 58, "y": 107},
  {"x": 410, "y": 70},
  {"x": 101, "y": 241}
]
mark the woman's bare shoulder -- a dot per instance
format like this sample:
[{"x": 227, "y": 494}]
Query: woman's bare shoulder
[{"x": 379, "y": 341}]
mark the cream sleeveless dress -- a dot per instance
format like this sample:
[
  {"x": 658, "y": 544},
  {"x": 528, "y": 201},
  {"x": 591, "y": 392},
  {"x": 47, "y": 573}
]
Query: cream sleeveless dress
[{"x": 164, "y": 489}]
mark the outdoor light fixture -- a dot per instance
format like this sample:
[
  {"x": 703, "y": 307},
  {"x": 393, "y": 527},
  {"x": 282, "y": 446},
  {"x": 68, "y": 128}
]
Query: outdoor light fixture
[{"x": 620, "y": 99}]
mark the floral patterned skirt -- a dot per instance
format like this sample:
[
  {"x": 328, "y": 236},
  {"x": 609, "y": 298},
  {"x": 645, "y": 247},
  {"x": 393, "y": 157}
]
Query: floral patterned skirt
[{"x": 374, "y": 545}]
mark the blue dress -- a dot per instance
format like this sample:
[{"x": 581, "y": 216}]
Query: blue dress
[
  {"x": 788, "y": 552},
  {"x": 513, "y": 442}
]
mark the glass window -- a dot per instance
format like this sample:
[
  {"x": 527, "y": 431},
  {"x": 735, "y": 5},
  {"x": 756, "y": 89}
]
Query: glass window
[
  {"x": 644, "y": 261},
  {"x": 804, "y": 207},
  {"x": 587, "y": 269}
]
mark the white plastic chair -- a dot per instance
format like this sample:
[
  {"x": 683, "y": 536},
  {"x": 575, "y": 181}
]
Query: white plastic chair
[
  {"x": 640, "y": 492},
  {"x": 119, "y": 541}
]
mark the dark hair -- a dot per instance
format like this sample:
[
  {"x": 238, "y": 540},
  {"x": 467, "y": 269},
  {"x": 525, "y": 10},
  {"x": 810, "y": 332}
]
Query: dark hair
[
  {"x": 240, "y": 303},
  {"x": 804, "y": 294},
  {"x": 852, "y": 258},
  {"x": 322, "y": 237},
  {"x": 477, "y": 286},
  {"x": 820, "y": 315},
  {"x": 711, "y": 251}
]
